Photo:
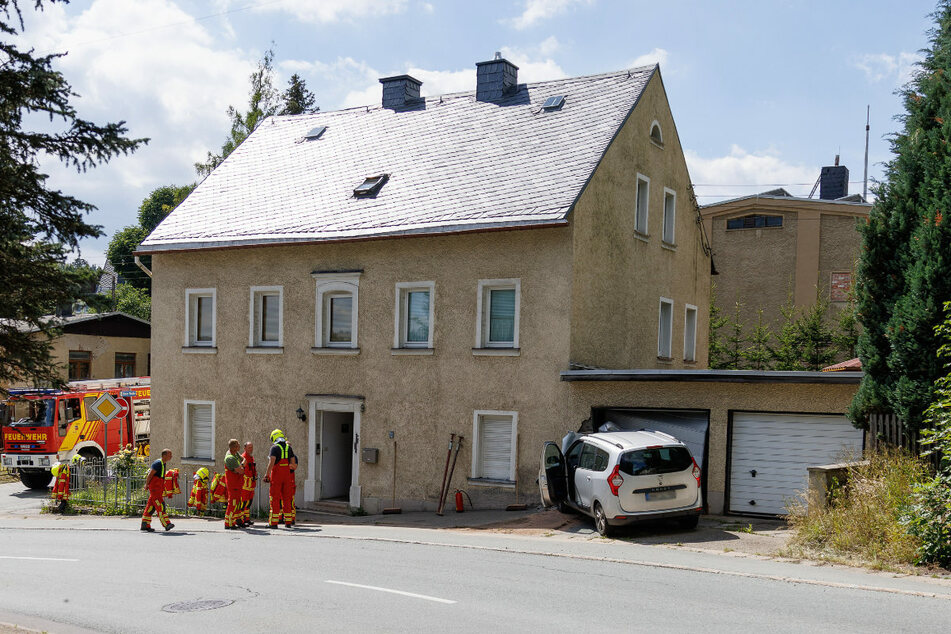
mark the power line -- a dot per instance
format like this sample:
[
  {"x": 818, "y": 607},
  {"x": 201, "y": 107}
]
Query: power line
[{"x": 761, "y": 184}]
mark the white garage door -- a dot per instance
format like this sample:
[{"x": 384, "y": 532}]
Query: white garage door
[{"x": 770, "y": 454}]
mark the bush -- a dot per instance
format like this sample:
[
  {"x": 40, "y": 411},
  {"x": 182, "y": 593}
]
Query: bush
[
  {"x": 929, "y": 520},
  {"x": 864, "y": 516}
]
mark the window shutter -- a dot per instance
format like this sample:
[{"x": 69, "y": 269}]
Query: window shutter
[
  {"x": 496, "y": 447},
  {"x": 199, "y": 431}
]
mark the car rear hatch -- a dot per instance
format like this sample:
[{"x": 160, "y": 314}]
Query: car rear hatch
[{"x": 657, "y": 479}]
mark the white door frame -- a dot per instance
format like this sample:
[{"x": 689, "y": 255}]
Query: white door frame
[{"x": 324, "y": 403}]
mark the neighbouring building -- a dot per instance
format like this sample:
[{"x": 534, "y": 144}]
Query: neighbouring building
[
  {"x": 425, "y": 266},
  {"x": 772, "y": 246},
  {"x": 100, "y": 346}
]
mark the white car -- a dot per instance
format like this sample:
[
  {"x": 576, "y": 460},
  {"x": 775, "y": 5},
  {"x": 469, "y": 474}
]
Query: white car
[{"x": 620, "y": 478}]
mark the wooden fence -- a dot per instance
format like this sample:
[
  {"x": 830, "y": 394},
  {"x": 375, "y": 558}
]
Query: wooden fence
[{"x": 886, "y": 430}]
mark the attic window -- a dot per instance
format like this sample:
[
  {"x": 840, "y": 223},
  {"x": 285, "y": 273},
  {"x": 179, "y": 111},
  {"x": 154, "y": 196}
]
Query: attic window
[
  {"x": 554, "y": 103},
  {"x": 754, "y": 221},
  {"x": 371, "y": 186},
  {"x": 656, "y": 135},
  {"x": 315, "y": 133}
]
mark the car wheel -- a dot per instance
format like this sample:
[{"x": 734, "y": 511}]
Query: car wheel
[
  {"x": 689, "y": 523},
  {"x": 601, "y": 521}
]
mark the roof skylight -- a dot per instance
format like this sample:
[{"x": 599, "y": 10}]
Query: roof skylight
[
  {"x": 371, "y": 186},
  {"x": 554, "y": 103},
  {"x": 315, "y": 133}
]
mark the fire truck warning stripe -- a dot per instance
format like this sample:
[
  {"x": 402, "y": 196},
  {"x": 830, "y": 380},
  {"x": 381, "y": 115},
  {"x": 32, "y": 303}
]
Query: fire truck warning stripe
[{"x": 36, "y": 558}]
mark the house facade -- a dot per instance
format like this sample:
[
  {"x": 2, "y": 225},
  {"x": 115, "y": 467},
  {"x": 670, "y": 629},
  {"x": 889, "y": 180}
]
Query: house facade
[
  {"x": 374, "y": 279},
  {"x": 773, "y": 246},
  {"x": 100, "y": 346}
]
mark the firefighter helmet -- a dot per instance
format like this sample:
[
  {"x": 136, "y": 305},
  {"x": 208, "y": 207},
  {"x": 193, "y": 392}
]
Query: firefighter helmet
[
  {"x": 56, "y": 468},
  {"x": 77, "y": 459},
  {"x": 202, "y": 474},
  {"x": 276, "y": 435}
]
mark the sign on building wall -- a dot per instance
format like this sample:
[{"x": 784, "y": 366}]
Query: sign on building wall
[{"x": 841, "y": 285}]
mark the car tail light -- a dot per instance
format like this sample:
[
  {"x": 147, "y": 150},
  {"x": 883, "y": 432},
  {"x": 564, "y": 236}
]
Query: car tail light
[
  {"x": 615, "y": 480},
  {"x": 696, "y": 471}
]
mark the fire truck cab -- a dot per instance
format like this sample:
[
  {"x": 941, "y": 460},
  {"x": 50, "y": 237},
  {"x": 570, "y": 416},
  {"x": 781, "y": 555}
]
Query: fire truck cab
[{"x": 42, "y": 426}]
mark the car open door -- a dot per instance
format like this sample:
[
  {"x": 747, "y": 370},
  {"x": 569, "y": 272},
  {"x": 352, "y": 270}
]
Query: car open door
[{"x": 552, "y": 476}]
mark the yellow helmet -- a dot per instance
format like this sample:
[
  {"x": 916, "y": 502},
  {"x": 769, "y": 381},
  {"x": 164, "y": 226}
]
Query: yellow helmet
[
  {"x": 56, "y": 468},
  {"x": 77, "y": 459},
  {"x": 276, "y": 434},
  {"x": 202, "y": 474}
]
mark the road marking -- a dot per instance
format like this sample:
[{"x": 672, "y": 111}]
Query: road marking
[
  {"x": 36, "y": 558},
  {"x": 390, "y": 590}
]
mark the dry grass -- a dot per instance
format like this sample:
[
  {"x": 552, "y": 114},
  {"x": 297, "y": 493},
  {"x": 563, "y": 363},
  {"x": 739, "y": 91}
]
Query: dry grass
[{"x": 861, "y": 524}]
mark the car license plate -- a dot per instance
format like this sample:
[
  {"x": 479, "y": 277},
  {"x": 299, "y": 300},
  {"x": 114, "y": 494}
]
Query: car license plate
[{"x": 660, "y": 495}]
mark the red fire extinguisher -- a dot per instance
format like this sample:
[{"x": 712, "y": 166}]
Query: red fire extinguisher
[{"x": 459, "y": 506}]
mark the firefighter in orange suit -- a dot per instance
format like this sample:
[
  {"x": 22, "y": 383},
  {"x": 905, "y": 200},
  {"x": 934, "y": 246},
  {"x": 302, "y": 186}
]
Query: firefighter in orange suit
[
  {"x": 61, "y": 485},
  {"x": 234, "y": 479},
  {"x": 199, "y": 494},
  {"x": 250, "y": 481},
  {"x": 155, "y": 485},
  {"x": 171, "y": 483},
  {"x": 279, "y": 474}
]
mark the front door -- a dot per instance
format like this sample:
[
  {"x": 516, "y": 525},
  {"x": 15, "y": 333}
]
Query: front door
[{"x": 336, "y": 454}]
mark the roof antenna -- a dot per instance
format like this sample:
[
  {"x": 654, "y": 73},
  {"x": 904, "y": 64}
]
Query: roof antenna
[
  {"x": 868, "y": 110},
  {"x": 498, "y": 55}
]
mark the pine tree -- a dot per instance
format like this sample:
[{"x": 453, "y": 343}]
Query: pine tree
[
  {"x": 716, "y": 349},
  {"x": 903, "y": 272},
  {"x": 262, "y": 103},
  {"x": 297, "y": 99},
  {"x": 846, "y": 335},
  {"x": 788, "y": 351},
  {"x": 40, "y": 225},
  {"x": 735, "y": 342},
  {"x": 817, "y": 338},
  {"x": 757, "y": 355}
]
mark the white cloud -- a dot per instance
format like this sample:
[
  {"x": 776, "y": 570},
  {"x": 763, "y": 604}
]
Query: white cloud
[
  {"x": 741, "y": 173},
  {"x": 655, "y": 56},
  {"x": 536, "y": 10},
  {"x": 534, "y": 64},
  {"x": 898, "y": 69},
  {"x": 427, "y": 7},
  {"x": 328, "y": 11}
]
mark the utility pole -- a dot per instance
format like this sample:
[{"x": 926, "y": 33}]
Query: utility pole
[{"x": 868, "y": 110}]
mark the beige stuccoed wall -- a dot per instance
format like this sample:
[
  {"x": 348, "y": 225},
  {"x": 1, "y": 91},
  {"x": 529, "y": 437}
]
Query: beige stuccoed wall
[
  {"x": 421, "y": 398},
  {"x": 619, "y": 278},
  {"x": 840, "y": 249},
  {"x": 104, "y": 351},
  {"x": 720, "y": 399}
]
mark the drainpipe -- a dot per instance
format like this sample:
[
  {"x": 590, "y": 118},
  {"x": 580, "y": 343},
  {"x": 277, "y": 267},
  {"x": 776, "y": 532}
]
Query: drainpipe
[{"x": 139, "y": 264}]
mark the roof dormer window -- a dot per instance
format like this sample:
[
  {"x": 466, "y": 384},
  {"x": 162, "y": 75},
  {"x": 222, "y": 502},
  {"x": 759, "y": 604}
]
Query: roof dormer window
[
  {"x": 554, "y": 103},
  {"x": 371, "y": 186},
  {"x": 315, "y": 133}
]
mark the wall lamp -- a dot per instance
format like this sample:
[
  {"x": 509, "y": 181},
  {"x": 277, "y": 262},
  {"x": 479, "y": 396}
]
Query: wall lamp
[{"x": 301, "y": 416}]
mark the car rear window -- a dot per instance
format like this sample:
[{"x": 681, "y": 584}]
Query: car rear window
[{"x": 657, "y": 460}]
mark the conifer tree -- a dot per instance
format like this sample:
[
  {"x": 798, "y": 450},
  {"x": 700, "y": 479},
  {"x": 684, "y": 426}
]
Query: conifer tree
[
  {"x": 39, "y": 224},
  {"x": 297, "y": 99},
  {"x": 716, "y": 349},
  {"x": 756, "y": 355},
  {"x": 788, "y": 353},
  {"x": 903, "y": 274}
]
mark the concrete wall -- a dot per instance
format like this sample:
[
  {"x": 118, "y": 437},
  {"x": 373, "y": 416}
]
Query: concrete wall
[
  {"x": 421, "y": 398},
  {"x": 719, "y": 399},
  {"x": 619, "y": 277},
  {"x": 103, "y": 351}
]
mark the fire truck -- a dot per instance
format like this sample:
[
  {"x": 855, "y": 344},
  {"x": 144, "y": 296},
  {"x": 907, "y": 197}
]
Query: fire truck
[{"x": 43, "y": 426}]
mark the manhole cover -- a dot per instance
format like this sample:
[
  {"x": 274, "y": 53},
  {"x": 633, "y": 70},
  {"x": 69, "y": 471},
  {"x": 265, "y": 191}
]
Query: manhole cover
[{"x": 196, "y": 606}]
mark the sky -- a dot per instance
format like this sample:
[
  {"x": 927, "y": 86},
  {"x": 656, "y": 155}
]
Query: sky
[{"x": 763, "y": 93}]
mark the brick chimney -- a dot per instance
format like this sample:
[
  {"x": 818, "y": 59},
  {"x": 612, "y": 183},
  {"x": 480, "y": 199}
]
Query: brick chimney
[
  {"x": 495, "y": 79},
  {"x": 834, "y": 181},
  {"x": 400, "y": 91}
]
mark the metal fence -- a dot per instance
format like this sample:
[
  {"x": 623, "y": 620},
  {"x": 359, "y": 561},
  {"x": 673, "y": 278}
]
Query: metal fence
[{"x": 114, "y": 490}]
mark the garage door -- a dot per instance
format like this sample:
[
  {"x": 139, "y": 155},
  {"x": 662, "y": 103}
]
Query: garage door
[{"x": 770, "y": 454}]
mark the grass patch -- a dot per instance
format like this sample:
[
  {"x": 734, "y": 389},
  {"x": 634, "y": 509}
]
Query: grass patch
[{"x": 862, "y": 521}]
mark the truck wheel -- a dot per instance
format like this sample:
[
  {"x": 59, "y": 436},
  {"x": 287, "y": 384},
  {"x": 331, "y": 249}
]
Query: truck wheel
[{"x": 36, "y": 480}]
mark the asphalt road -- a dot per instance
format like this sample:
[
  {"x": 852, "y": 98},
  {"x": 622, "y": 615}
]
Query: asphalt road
[{"x": 102, "y": 574}]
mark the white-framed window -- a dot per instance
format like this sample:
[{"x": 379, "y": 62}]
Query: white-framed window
[
  {"x": 338, "y": 302},
  {"x": 665, "y": 327},
  {"x": 642, "y": 198},
  {"x": 656, "y": 135},
  {"x": 413, "y": 315},
  {"x": 199, "y": 430},
  {"x": 670, "y": 215},
  {"x": 690, "y": 333},
  {"x": 498, "y": 307},
  {"x": 266, "y": 317},
  {"x": 493, "y": 448},
  {"x": 200, "y": 317}
]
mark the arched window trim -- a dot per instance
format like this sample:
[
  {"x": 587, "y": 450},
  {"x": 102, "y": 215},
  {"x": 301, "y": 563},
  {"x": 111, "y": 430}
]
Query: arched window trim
[{"x": 659, "y": 140}]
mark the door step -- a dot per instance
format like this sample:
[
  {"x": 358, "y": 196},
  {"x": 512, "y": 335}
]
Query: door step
[{"x": 329, "y": 506}]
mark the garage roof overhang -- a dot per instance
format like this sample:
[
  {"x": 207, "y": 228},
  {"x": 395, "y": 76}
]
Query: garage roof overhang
[{"x": 713, "y": 376}]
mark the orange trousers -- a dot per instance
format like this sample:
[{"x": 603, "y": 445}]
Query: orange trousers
[{"x": 282, "y": 496}]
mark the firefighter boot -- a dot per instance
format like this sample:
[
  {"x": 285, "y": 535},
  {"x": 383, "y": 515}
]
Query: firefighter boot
[
  {"x": 147, "y": 528},
  {"x": 62, "y": 506},
  {"x": 169, "y": 526}
]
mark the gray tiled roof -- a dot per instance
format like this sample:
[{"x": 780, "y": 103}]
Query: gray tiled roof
[{"x": 454, "y": 164}]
